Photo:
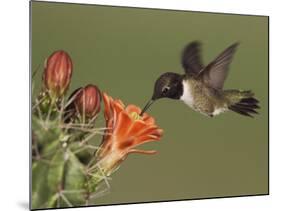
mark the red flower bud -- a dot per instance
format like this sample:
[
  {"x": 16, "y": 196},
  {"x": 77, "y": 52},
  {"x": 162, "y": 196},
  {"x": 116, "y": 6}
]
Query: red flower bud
[
  {"x": 57, "y": 73},
  {"x": 88, "y": 101}
]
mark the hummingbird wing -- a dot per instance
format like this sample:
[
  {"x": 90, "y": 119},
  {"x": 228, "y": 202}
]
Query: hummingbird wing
[
  {"x": 191, "y": 59},
  {"x": 215, "y": 73}
]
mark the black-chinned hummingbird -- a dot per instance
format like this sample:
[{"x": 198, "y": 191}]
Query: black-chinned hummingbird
[{"x": 201, "y": 87}]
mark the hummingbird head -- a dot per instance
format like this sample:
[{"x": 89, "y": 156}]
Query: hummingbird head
[{"x": 168, "y": 85}]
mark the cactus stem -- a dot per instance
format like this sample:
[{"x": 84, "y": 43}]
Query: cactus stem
[
  {"x": 87, "y": 197},
  {"x": 99, "y": 193},
  {"x": 45, "y": 161},
  {"x": 82, "y": 129},
  {"x": 64, "y": 145},
  {"x": 49, "y": 112},
  {"x": 80, "y": 125},
  {"x": 72, "y": 191},
  {"x": 35, "y": 158},
  {"x": 96, "y": 167},
  {"x": 84, "y": 148},
  {"x": 65, "y": 200},
  {"x": 36, "y": 150},
  {"x": 86, "y": 139},
  {"x": 61, "y": 110},
  {"x": 100, "y": 176},
  {"x": 63, "y": 151},
  {"x": 66, "y": 156},
  {"x": 38, "y": 102},
  {"x": 46, "y": 155},
  {"x": 39, "y": 112},
  {"x": 62, "y": 182},
  {"x": 89, "y": 166},
  {"x": 92, "y": 147},
  {"x": 104, "y": 177}
]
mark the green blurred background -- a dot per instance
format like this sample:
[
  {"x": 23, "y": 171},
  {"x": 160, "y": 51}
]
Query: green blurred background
[{"x": 123, "y": 51}]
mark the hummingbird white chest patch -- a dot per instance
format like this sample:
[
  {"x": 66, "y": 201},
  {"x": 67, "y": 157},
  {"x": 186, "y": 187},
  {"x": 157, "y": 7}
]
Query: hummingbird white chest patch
[
  {"x": 187, "y": 96},
  {"x": 218, "y": 111}
]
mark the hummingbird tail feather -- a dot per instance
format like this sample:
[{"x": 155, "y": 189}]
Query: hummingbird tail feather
[{"x": 243, "y": 102}]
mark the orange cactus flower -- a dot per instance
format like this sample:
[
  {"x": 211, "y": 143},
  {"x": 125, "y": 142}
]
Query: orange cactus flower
[{"x": 125, "y": 131}]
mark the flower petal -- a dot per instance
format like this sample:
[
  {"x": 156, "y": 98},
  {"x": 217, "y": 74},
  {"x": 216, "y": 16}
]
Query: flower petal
[
  {"x": 152, "y": 130},
  {"x": 127, "y": 130},
  {"x": 105, "y": 147},
  {"x": 126, "y": 144},
  {"x": 107, "y": 110},
  {"x": 123, "y": 124},
  {"x": 117, "y": 106},
  {"x": 145, "y": 139},
  {"x": 148, "y": 119},
  {"x": 148, "y": 152},
  {"x": 120, "y": 102},
  {"x": 132, "y": 108},
  {"x": 136, "y": 128}
]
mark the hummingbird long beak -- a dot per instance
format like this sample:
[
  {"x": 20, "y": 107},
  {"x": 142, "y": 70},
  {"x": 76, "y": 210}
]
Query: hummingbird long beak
[{"x": 149, "y": 103}]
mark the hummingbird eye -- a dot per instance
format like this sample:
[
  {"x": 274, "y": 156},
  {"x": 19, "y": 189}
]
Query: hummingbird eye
[{"x": 165, "y": 89}]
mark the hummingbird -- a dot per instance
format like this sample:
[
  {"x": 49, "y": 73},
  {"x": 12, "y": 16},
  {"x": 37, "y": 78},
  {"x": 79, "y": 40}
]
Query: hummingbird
[{"x": 201, "y": 87}]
